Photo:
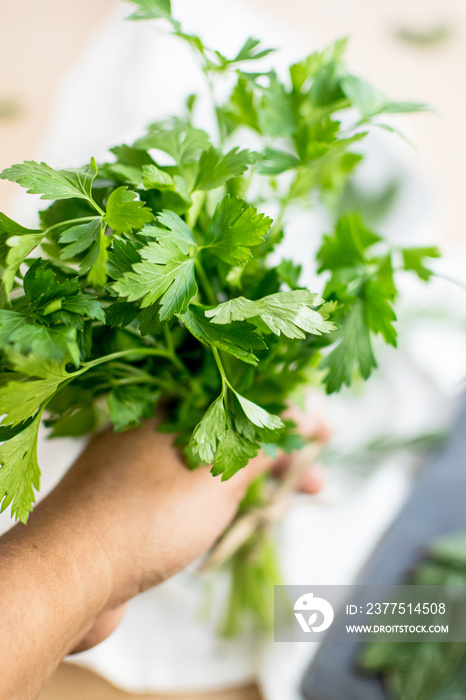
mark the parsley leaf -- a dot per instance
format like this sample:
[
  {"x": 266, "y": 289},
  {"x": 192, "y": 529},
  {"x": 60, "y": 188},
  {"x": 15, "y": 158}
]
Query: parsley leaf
[
  {"x": 127, "y": 173},
  {"x": 12, "y": 250},
  {"x": 79, "y": 238},
  {"x": 16, "y": 242},
  {"x": 276, "y": 161},
  {"x": 125, "y": 213},
  {"x": 165, "y": 273},
  {"x": 182, "y": 142},
  {"x": 153, "y": 177},
  {"x": 238, "y": 339},
  {"x": 121, "y": 257},
  {"x": 95, "y": 262},
  {"x": 121, "y": 314},
  {"x": 59, "y": 301},
  {"x": 259, "y": 416},
  {"x": 215, "y": 168},
  {"x": 209, "y": 431},
  {"x": 289, "y": 272},
  {"x": 249, "y": 51},
  {"x": 229, "y": 445},
  {"x": 24, "y": 335},
  {"x": 290, "y": 313},
  {"x": 354, "y": 351},
  {"x": 40, "y": 178},
  {"x": 8, "y": 228},
  {"x": 347, "y": 246},
  {"x": 22, "y": 397},
  {"x": 370, "y": 101},
  {"x": 414, "y": 259},
  {"x": 19, "y": 248},
  {"x": 19, "y": 472},
  {"x": 129, "y": 405},
  {"x": 215, "y": 439},
  {"x": 176, "y": 231},
  {"x": 128, "y": 155},
  {"x": 153, "y": 9},
  {"x": 277, "y": 115},
  {"x": 242, "y": 108},
  {"x": 378, "y": 295},
  {"x": 233, "y": 453},
  {"x": 234, "y": 229}
]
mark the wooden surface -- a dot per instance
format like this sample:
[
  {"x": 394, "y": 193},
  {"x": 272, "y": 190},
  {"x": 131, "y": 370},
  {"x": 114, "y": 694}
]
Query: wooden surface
[{"x": 73, "y": 683}]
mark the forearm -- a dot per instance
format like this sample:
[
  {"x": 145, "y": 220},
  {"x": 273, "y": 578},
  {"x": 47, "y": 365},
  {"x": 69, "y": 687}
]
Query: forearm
[
  {"x": 54, "y": 583},
  {"x": 127, "y": 516}
]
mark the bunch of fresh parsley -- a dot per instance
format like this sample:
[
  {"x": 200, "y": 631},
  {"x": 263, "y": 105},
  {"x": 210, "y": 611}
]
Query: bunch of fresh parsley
[{"x": 149, "y": 281}]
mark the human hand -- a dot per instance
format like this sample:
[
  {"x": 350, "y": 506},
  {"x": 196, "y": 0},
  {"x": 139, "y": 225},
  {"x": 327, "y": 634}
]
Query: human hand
[
  {"x": 199, "y": 507},
  {"x": 167, "y": 516},
  {"x": 126, "y": 516}
]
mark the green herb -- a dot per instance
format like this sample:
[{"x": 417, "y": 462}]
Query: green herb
[{"x": 151, "y": 278}]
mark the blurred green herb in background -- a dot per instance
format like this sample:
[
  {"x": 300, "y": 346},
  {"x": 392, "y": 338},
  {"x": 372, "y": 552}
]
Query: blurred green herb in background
[{"x": 426, "y": 670}]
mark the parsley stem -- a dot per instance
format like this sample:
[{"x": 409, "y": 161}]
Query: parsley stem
[
  {"x": 172, "y": 389},
  {"x": 123, "y": 353},
  {"x": 135, "y": 334},
  {"x": 114, "y": 356},
  {"x": 70, "y": 221},
  {"x": 215, "y": 107},
  {"x": 126, "y": 369},
  {"x": 169, "y": 339},
  {"x": 452, "y": 280},
  {"x": 278, "y": 221},
  {"x": 439, "y": 275},
  {"x": 221, "y": 369},
  {"x": 101, "y": 360},
  {"x": 171, "y": 352},
  {"x": 207, "y": 287},
  {"x": 96, "y": 206}
]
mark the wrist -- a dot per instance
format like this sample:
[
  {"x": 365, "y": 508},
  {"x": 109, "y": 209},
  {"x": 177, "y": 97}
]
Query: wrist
[
  {"x": 64, "y": 569},
  {"x": 48, "y": 604}
]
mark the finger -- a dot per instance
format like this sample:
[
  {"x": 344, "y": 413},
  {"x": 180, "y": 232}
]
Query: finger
[{"x": 313, "y": 481}]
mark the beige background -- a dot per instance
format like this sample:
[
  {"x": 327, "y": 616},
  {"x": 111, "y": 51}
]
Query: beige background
[{"x": 39, "y": 38}]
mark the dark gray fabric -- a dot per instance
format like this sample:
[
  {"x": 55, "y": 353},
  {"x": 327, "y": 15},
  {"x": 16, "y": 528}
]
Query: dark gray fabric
[{"x": 436, "y": 506}]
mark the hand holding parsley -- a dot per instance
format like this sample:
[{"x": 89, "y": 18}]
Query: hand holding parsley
[
  {"x": 150, "y": 280},
  {"x": 126, "y": 516}
]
